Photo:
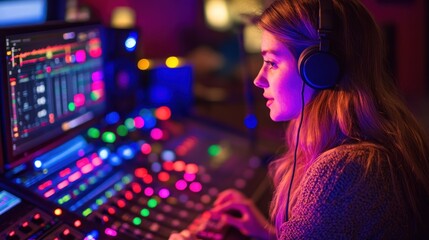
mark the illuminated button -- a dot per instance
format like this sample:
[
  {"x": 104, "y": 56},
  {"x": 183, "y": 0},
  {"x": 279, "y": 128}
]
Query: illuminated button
[
  {"x": 25, "y": 227},
  {"x": 12, "y": 236},
  {"x": 67, "y": 235},
  {"x": 37, "y": 219}
]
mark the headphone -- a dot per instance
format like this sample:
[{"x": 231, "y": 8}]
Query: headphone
[{"x": 318, "y": 67}]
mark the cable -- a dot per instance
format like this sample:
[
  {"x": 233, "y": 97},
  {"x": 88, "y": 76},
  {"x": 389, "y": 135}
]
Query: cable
[{"x": 296, "y": 150}]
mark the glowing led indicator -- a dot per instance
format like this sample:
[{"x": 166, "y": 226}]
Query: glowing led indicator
[
  {"x": 143, "y": 64},
  {"x": 93, "y": 133},
  {"x": 163, "y": 113},
  {"x": 110, "y": 232},
  {"x": 38, "y": 164},
  {"x": 181, "y": 184},
  {"x": 108, "y": 137},
  {"x": 58, "y": 211},
  {"x": 214, "y": 150},
  {"x": 148, "y": 191},
  {"x": 250, "y": 121},
  {"x": 156, "y": 134},
  {"x": 138, "y": 122},
  {"x": 146, "y": 148},
  {"x": 122, "y": 130},
  {"x": 195, "y": 187},
  {"x": 168, "y": 155},
  {"x": 152, "y": 203},
  {"x": 163, "y": 176},
  {"x": 137, "y": 221},
  {"x": 112, "y": 118},
  {"x": 129, "y": 123},
  {"x": 104, "y": 153},
  {"x": 164, "y": 193},
  {"x": 145, "y": 212},
  {"x": 71, "y": 107},
  {"x": 172, "y": 62}
]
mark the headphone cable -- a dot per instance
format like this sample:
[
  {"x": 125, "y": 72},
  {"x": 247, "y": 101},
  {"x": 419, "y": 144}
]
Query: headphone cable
[{"x": 296, "y": 150}]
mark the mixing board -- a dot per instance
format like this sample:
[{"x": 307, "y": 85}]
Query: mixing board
[{"x": 143, "y": 176}]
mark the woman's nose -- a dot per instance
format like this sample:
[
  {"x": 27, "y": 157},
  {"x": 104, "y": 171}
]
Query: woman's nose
[{"x": 260, "y": 81}]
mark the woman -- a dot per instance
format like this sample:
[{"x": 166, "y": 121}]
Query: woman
[{"x": 357, "y": 165}]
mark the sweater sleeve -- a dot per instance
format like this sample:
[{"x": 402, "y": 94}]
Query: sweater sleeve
[{"x": 340, "y": 200}]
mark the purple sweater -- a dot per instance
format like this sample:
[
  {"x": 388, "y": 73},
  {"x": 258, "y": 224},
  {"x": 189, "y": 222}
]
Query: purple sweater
[{"x": 338, "y": 201}]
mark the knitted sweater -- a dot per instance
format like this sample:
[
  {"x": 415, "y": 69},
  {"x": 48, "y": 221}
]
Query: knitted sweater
[{"x": 339, "y": 200}]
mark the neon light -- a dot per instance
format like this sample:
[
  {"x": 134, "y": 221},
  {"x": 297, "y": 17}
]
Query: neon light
[
  {"x": 214, "y": 150},
  {"x": 63, "y": 184},
  {"x": 145, "y": 212},
  {"x": 96, "y": 161},
  {"x": 79, "y": 99},
  {"x": 75, "y": 176},
  {"x": 140, "y": 172},
  {"x": 136, "y": 187},
  {"x": 189, "y": 177},
  {"x": 138, "y": 122},
  {"x": 58, "y": 211},
  {"x": 172, "y": 62},
  {"x": 195, "y": 187},
  {"x": 86, "y": 212},
  {"x": 77, "y": 223},
  {"x": 146, "y": 148},
  {"x": 168, "y": 166},
  {"x": 191, "y": 168},
  {"x": 168, "y": 155},
  {"x": 129, "y": 123},
  {"x": 128, "y": 195},
  {"x": 181, "y": 185},
  {"x": 45, "y": 185},
  {"x": 108, "y": 137},
  {"x": 121, "y": 130},
  {"x": 38, "y": 164},
  {"x": 152, "y": 203},
  {"x": 110, "y": 232},
  {"x": 149, "y": 191},
  {"x": 148, "y": 179},
  {"x": 163, "y": 176},
  {"x": 179, "y": 166},
  {"x": 82, "y": 162},
  {"x": 156, "y": 167},
  {"x": 156, "y": 134},
  {"x": 121, "y": 203},
  {"x": 163, "y": 193},
  {"x": 87, "y": 168},
  {"x": 49, "y": 193},
  {"x": 64, "y": 172},
  {"x": 80, "y": 56},
  {"x": 97, "y": 76},
  {"x": 163, "y": 113},
  {"x": 104, "y": 153},
  {"x": 137, "y": 221}
]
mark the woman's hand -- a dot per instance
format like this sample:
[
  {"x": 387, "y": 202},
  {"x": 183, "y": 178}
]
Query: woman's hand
[{"x": 235, "y": 209}]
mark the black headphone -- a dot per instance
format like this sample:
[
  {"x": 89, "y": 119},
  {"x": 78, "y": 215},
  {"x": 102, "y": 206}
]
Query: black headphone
[{"x": 318, "y": 67}]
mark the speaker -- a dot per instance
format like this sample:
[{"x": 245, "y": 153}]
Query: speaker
[
  {"x": 318, "y": 67},
  {"x": 122, "y": 74}
]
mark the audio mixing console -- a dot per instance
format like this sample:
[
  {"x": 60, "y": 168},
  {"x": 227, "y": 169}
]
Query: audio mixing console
[{"x": 142, "y": 176}]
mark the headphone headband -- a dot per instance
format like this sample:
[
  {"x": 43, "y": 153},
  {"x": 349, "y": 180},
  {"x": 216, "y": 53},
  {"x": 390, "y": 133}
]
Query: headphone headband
[{"x": 318, "y": 67}]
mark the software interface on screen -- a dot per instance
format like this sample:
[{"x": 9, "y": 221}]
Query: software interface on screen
[{"x": 55, "y": 83}]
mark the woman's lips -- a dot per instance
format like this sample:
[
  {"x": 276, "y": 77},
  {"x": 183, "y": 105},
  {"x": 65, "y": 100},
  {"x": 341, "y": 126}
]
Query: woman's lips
[{"x": 269, "y": 102}]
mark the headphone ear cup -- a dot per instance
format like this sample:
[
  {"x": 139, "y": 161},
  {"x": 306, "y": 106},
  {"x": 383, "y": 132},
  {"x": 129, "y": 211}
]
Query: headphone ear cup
[{"x": 319, "y": 70}]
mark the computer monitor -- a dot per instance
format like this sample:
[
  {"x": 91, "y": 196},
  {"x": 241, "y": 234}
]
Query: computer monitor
[{"x": 52, "y": 86}]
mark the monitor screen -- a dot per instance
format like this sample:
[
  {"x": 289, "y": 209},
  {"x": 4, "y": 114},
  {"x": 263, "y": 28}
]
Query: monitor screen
[
  {"x": 53, "y": 85},
  {"x": 22, "y": 12}
]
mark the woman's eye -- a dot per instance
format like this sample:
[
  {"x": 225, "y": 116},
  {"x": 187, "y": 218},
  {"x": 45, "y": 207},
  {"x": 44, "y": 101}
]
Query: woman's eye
[{"x": 270, "y": 64}]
